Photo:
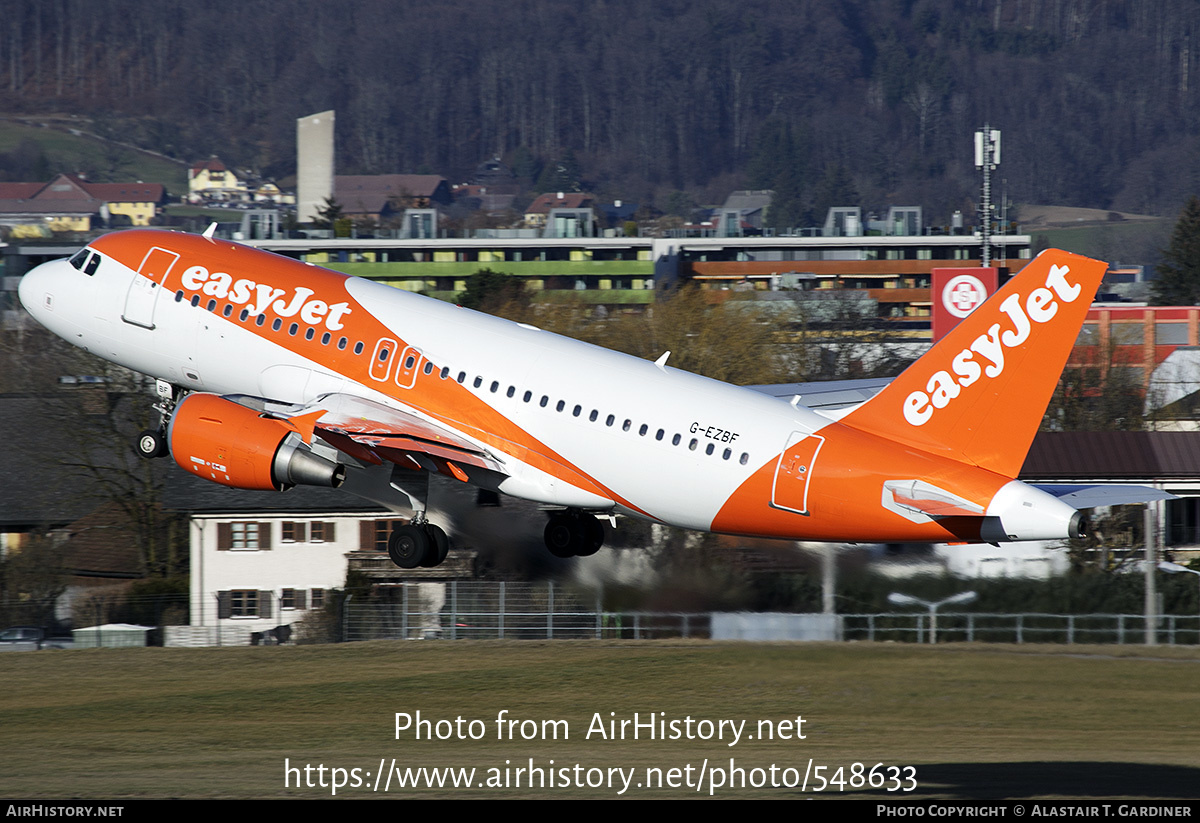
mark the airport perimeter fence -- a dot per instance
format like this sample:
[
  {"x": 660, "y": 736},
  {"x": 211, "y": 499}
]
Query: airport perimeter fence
[
  {"x": 461, "y": 610},
  {"x": 543, "y": 611},
  {"x": 1027, "y": 627},
  {"x": 485, "y": 610}
]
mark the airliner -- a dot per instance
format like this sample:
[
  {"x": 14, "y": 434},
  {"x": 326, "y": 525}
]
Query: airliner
[{"x": 272, "y": 372}]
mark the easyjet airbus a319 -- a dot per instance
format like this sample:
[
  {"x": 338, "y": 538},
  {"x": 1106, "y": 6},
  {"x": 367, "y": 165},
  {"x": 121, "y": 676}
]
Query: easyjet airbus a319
[{"x": 273, "y": 372}]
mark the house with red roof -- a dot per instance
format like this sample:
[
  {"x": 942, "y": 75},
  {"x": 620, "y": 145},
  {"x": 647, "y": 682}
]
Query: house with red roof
[{"x": 70, "y": 203}]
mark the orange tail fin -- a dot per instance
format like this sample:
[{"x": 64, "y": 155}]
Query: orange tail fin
[{"x": 979, "y": 394}]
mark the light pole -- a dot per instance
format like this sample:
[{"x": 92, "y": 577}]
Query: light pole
[{"x": 898, "y": 599}]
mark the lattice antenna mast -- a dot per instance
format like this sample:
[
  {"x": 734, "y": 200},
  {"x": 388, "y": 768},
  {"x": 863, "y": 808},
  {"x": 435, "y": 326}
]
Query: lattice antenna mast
[{"x": 987, "y": 157}]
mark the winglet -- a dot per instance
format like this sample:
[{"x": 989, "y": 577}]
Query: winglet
[
  {"x": 979, "y": 394},
  {"x": 210, "y": 231}
]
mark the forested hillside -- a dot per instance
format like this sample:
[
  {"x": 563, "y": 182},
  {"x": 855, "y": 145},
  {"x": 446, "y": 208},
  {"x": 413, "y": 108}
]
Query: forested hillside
[{"x": 1097, "y": 99}]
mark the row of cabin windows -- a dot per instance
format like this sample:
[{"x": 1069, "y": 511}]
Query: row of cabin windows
[
  {"x": 594, "y": 415},
  {"x": 255, "y": 603},
  {"x": 527, "y": 397},
  {"x": 261, "y": 320},
  {"x": 494, "y": 387}
]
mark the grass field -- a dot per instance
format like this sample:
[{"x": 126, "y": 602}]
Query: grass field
[
  {"x": 1109, "y": 241},
  {"x": 974, "y": 720},
  {"x": 75, "y": 152}
]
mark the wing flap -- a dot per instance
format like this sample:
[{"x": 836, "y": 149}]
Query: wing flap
[{"x": 373, "y": 433}]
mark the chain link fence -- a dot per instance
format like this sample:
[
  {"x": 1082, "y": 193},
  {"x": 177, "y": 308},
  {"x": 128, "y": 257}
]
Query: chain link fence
[{"x": 478, "y": 610}]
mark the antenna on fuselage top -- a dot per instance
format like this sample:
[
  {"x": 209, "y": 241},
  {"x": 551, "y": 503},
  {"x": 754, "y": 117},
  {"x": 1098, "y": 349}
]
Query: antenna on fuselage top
[{"x": 210, "y": 231}]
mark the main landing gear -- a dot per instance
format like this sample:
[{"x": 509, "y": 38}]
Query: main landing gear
[
  {"x": 152, "y": 443},
  {"x": 573, "y": 534},
  {"x": 419, "y": 544}
]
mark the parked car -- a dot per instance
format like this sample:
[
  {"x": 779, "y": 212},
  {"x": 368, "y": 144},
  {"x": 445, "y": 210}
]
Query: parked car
[{"x": 31, "y": 638}]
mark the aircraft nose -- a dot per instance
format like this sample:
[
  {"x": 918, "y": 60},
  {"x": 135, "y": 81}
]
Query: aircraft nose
[{"x": 37, "y": 288}]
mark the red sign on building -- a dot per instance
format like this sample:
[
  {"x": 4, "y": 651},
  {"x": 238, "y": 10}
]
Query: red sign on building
[{"x": 957, "y": 292}]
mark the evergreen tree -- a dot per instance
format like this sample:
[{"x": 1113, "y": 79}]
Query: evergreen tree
[
  {"x": 329, "y": 214},
  {"x": 836, "y": 189},
  {"x": 493, "y": 292},
  {"x": 561, "y": 175},
  {"x": 1178, "y": 282},
  {"x": 777, "y": 164}
]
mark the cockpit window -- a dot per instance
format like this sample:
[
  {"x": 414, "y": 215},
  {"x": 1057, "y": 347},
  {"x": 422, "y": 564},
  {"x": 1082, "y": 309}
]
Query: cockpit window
[
  {"x": 78, "y": 257},
  {"x": 92, "y": 264}
]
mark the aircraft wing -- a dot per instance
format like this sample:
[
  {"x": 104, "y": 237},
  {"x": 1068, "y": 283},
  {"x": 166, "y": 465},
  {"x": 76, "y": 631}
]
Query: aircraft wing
[
  {"x": 1086, "y": 497},
  {"x": 832, "y": 395},
  {"x": 373, "y": 433}
]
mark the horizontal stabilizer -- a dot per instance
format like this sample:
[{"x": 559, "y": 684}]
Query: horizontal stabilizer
[
  {"x": 828, "y": 395},
  {"x": 1086, "y": 497}
]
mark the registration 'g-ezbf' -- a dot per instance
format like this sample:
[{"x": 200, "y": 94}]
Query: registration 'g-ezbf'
[{"x": 273, "y": 372}]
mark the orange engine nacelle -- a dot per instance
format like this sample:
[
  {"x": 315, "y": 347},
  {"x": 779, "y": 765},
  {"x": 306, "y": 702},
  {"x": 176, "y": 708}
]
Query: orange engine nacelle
[{"x": 233, "y": 445}]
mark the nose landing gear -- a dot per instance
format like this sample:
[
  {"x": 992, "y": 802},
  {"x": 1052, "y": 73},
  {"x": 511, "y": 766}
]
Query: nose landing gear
[{"x": 152, "y": 443}]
